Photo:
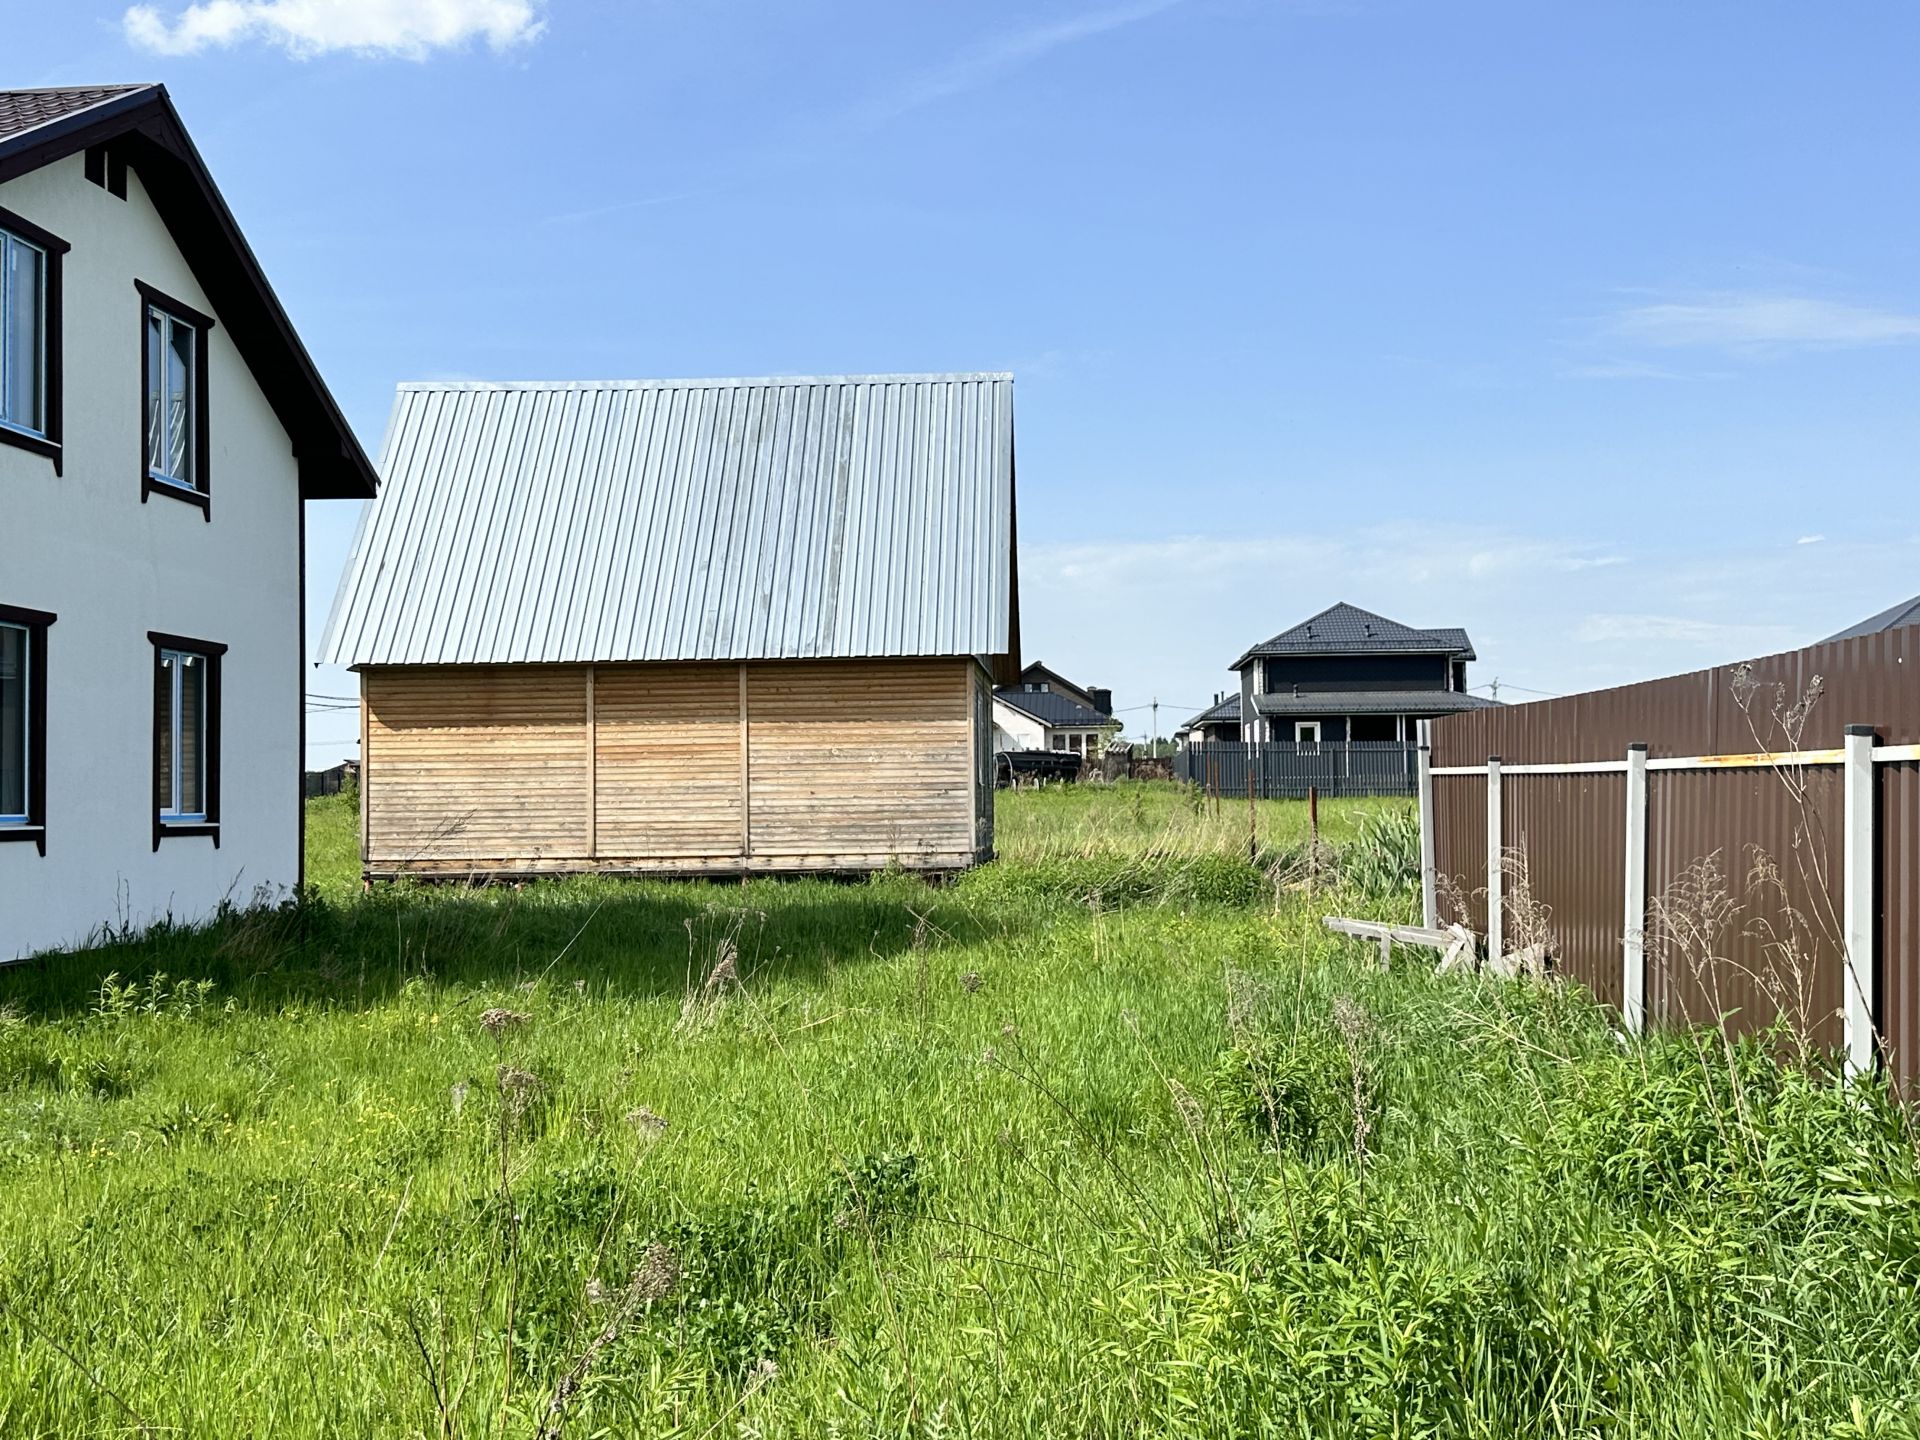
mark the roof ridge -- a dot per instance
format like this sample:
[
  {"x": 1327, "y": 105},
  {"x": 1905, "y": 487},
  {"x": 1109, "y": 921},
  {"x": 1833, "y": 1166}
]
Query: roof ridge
[
  {"x": 724, "y": 382},
  {"x": 117, "y": 87}
]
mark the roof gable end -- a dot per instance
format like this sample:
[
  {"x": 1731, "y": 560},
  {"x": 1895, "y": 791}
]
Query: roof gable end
[{"x": 139, "y": 123}]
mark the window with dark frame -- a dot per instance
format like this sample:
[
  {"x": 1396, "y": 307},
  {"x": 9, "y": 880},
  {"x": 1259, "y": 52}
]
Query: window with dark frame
[
  {"x": 23, "y": 725},
  {"x": 186, "y": 737},
  {"x": 173, "y": 387},
  {"x": 30, "y": 399}
]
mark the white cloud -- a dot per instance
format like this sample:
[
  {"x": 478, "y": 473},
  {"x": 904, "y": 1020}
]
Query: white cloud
[
  {"x": 1165, "y": 617},
  {"x": 1759, "y": 324},
  {"x": 1730, "y": 639},
  {"x": 986, "y": 62},
  {"x": 410, "y": 29},
  {"x": 1636, "y": 370},
  {"x": 1809, "y": 539}
]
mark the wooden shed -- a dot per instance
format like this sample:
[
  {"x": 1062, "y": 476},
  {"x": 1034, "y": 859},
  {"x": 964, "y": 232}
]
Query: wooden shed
[{"x": 708, "y": 626}]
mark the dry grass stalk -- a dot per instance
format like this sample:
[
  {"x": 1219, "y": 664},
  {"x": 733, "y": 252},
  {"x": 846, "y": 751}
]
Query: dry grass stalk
[
  {"x": 498, "y": 1021},
  {"x": 655, "y": 1278},
  {"x": 1355, "y": 1028}
]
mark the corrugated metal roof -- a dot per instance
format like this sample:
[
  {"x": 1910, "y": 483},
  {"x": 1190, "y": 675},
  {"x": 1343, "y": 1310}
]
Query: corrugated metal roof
[
  {"x": 784, "y": 518},
  {"x": 1347, "y": 629}
]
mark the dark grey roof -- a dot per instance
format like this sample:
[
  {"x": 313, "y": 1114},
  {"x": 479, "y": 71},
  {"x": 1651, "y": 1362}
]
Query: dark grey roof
[
  {"x": 1372, "y": 702},
  {"x": 1907, "y": 612},
  {"x": 1227, "y": 709},
  {"x": 23, "y": 110},
  {"x": 139, "y": 123},
  {"x": 1050, "y": 707},
  {"x": 1345, "y": 629}
]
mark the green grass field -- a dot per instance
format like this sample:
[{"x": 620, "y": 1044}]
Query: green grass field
[{"x": 1108, "y": 1138}]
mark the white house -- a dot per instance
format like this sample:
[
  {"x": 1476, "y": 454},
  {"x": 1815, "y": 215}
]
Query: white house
[
  {"x": 1043, "y": 710},
  {"x": 160, "y": 426}
]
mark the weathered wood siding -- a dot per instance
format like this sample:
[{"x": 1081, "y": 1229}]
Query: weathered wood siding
[
  {"x": 491, "y": 765},
  {"x": 875, "y": 755},
  {"x": 831, "y": 764},
  {"x": 667, "y": 761}
]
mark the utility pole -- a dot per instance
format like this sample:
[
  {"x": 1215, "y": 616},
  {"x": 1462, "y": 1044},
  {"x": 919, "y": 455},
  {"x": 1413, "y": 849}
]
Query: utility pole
[
  {"x": 1496, "y": 687},
  {"x": 1156, "y": 725}
]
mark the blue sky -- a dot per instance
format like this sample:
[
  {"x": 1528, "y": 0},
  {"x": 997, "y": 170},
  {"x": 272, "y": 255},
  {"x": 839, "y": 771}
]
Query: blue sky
[{"x": 1594, "y": 329}]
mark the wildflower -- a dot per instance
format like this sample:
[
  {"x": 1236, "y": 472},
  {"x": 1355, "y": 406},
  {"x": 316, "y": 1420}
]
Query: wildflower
[
  {"x": 596, "y": 1292},
  {"x": 657, "y": 1276},
  {"x": 497, "y": 1021},
  {"x": 971, "y": 982},
  {"x": 645, "y": 1121},
  {"x": 764, "y": 1372},
  {"x": 518, "y": 1090}
]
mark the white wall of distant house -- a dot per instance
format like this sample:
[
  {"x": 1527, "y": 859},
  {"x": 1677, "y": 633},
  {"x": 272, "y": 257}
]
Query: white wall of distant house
[
  {"x": 83, "y": 546},
  {"x": 1015, "y": 729}
]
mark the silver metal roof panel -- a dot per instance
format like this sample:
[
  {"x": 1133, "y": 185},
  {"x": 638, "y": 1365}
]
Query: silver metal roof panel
[{"x": 783, "y": 518}]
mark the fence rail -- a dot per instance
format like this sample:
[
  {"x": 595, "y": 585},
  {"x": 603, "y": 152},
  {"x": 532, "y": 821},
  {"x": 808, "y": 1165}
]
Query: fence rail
[
  {"x": 1281, "y": 770},
  {"x": 1786, "y": 790}
]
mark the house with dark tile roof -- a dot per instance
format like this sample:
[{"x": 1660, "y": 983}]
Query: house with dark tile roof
[
  {"x": 162, "y": 428},
  {"x": 1043, "y": 710},
  {"x": 1345, "y": 675}
]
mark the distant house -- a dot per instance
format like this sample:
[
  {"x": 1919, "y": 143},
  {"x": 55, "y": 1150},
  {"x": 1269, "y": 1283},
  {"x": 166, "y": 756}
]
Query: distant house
[
  {"x": 1220, "y": 721},
  {"x": 1907, "y": 612},
  {"x": 1042, "y": 710},
  {"x": 704, "y": 626},
  {"x": 151, "y": 611},
  {"x": 1348, "y": 675}
]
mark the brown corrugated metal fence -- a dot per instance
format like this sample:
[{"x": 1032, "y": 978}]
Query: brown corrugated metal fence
[{"x": 1774, "y": 833}]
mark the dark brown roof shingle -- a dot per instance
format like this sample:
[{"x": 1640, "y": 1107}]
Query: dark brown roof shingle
[{"x": 23, "y": 110}]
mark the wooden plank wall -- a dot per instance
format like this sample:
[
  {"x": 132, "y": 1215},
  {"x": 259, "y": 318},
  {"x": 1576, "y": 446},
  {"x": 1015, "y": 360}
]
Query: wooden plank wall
[
  {"x": 667, "y": 773},
  {"x": 777, "y": 766},
  {"x": 494, "y": 765},
  {"x": 878, "y": 760}
]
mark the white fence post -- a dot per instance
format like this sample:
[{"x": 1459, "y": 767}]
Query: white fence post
[
  {"x": 1858, "y": 1003},
  {"x": 1429, "y": 898},
  {"x": 1496, "y": 865},
  {"x": 1633, "y": 989}
]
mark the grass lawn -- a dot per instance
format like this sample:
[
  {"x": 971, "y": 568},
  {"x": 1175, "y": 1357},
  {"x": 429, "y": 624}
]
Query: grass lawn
[{"x": 1108, "y": 1138}]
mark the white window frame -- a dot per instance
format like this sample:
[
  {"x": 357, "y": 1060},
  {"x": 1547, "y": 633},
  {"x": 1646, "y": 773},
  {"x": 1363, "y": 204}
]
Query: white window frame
[
  {"x": 42, "y": 361},
  {"x": 174, "y": 661},
  {"x": 169, "y": 322},
  {"x": 1300, "y": 729}
]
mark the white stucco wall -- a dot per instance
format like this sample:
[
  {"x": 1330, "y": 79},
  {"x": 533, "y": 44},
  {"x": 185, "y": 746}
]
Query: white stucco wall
[
  {"x": 1015, "y": 729},
  {"x": 84, "y": 546}
]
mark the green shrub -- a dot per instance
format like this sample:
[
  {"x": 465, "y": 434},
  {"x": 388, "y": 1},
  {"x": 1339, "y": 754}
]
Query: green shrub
[{"x": 1297, "y": 1092}]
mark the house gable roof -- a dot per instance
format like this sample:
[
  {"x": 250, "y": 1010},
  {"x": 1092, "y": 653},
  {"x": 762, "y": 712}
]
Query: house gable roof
[
  {"x": 1345, "y": 629},
  {"x": 1222, "y": 710},
  {"x": 645, "y": 520},
  {"x": 138, "y": 123},
  {"x": 1037, "y": 672},
  {"x": 1051, "y": 707},
  {"x": 1907, "y": 612}
]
